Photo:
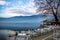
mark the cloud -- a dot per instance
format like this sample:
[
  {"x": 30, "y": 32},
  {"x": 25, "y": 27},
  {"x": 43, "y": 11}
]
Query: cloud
[
  {"x": 4, "y": 2},
  {"x": 27, "y": 9},
  {"x": 6, "y": 15}
]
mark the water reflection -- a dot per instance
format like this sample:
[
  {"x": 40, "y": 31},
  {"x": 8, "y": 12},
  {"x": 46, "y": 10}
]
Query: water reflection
[{"x": 4, "y": 34}]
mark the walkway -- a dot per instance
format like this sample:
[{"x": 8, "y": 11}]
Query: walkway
[
  {"x": 41, "y": 37},
  {"x": 46, "y": 37}
]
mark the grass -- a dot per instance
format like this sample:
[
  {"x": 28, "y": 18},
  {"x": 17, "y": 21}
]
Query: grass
[
  {"x": 41, "y": 37},
  {"x": 51, "y": 38}
]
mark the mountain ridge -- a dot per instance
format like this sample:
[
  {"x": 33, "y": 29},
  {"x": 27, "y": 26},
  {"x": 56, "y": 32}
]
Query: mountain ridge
[{"x": 33, "y": 18}]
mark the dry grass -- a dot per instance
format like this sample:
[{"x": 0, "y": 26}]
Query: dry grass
[
  {"x": 41, "y": 37},
  {"x": 50, "y": 38}
]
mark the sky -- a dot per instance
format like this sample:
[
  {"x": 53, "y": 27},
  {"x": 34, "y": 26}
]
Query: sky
[{"x": 11, "y": 8}]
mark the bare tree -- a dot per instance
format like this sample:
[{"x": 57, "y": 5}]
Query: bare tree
[{"x": 50, "y": 6}]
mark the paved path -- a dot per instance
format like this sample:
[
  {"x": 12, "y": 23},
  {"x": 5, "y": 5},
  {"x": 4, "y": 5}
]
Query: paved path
[
  {"x": 18, "y": 38},
  {"x": 47, "y": 37},
  {"x": 41, "y": 37}
]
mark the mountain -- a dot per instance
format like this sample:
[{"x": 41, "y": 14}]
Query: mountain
[{"x": 34, "y": 18}]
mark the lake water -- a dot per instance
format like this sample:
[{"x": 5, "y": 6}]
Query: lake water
[
  {"x": 19, "y": 26},
  {"x": 23, "y": 23}
]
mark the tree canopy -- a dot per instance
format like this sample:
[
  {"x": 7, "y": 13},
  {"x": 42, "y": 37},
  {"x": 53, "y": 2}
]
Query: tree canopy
[{"x": 48, "y": 6}]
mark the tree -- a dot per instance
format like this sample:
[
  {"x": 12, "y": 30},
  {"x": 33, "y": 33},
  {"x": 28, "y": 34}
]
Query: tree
[{"x": 49, "y": 6}]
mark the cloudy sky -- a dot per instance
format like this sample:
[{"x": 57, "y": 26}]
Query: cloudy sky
[{"x": 11, "y": 8}]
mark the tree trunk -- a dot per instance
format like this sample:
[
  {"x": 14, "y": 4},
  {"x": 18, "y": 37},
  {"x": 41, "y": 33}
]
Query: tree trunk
[
  {"x": 56, "y": 18},
  {"x": 55, "y": 15}
]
